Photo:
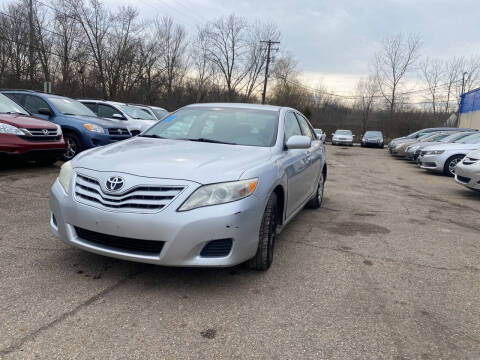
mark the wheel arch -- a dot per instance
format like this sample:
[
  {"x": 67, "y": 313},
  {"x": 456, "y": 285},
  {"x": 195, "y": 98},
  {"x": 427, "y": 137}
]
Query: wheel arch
[{"x": 280, "y": 192}]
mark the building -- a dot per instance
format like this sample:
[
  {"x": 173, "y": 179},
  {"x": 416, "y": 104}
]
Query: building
[{"x": 470, "y": 110}]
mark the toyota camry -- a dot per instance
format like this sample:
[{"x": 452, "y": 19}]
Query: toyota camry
[{"x": 210, "y": 185}]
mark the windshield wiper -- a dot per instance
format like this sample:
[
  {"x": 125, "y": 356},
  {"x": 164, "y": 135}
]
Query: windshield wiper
[
  {"x": 153, "y": 136},
  {"x": 70, "y": 114},
  {"x": 212, "y": 141}
]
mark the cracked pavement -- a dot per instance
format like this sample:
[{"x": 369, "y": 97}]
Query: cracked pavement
[{"x": 389, "y": 268}]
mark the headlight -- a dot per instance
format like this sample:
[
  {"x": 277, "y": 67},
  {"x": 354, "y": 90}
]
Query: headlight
[
  {"x": 9, "y": 129},
  {"x": 59, "y": 130},
  {"x": 219, "y": 194},
  {"x": 434, "y": 152},
  {"x": 65, "y": 175},
  {"x": 94, "y": 128}
]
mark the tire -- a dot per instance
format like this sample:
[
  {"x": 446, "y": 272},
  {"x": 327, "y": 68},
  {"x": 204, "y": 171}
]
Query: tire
[
  {"x": 452, "y": 161},
  {"x": 73, "y": 146},
  {"x": 266, "y": 237},
  {"x": 316, "y": 201}
]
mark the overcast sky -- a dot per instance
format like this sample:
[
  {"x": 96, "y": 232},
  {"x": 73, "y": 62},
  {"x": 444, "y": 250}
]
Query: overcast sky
[{"x": 334, "y": 41}]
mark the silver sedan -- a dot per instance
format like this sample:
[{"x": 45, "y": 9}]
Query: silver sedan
[{"x": 210, "y": 185}]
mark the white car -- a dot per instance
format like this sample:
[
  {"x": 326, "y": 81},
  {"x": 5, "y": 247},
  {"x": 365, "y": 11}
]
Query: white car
[
  {"x": 342, "y": 137},
  {"x": 445, "y": 157},
  {"x": 467, "y": 171},
  {"x": 320, "y": 134},
  {"x": 156, "y": 112},
  {"x": 133, "y": 117}
]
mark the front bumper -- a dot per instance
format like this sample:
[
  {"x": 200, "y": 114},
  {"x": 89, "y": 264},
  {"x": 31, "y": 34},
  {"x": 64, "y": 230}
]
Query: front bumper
[
  {"x": 96, "y": 139},
  {"x": 184, "y": 233},
  {"x": 431, "y": 162},
  {"x": 372, "y": 143},
  {"x": 342, "y": 142},
  {"x": 15, "y": 146},
  {"x": 468, "y": 175}
]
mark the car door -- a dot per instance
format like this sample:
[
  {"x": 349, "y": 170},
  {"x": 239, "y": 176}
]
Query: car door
[
  {"x": 296, "y": 166},
  {"x": 34, "y": 103},
  {"x": 314, "y": 155}
]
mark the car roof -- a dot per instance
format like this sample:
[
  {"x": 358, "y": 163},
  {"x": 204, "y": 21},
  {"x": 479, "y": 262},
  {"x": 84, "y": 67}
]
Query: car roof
[
  {"x": 33, "y": 92},
  {"x": 240, "y": 105}
]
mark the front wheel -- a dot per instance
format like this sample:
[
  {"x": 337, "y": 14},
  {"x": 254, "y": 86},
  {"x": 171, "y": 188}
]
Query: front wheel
[
  {"x": 451, "y": 163},
  {"x": 73, "y": 146},
  {"x": 266, "y": 237},
  {"x": 316, "y": 201}
]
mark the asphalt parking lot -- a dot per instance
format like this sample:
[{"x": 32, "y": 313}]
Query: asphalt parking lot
[{"x": 389, "y": 268}]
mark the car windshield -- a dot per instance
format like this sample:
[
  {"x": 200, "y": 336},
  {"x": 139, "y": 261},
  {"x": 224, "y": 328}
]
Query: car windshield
[
  {"x": 159, "y": 113},
  {"x": 9, "y": 106},
  {"x": 455, "y": 136},
  {"x": 471, "y": 139},
  {"x": 225, "y": 125},
  {"x": 377, "y": 134},
  {"x": 343, "y": 132},
  {"x": 71, "y": 107},
  {"x": 136, "y": 113}
]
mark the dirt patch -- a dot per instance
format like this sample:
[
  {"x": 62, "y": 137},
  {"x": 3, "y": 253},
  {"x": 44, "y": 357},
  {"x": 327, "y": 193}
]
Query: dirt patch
[
  {"x": 350, "y": 228},
  {"x": 342, "y": 154},
  {"x": 364, "y": 214}
]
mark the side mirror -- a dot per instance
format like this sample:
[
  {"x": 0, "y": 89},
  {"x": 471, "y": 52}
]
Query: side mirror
[
  {"x": 298, "y": 142},
  {"x": 45, "y": 111},
  {"x": 118, "y": 116}
]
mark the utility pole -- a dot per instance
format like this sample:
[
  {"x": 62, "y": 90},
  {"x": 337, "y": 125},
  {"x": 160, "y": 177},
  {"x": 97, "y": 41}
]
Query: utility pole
[
  {"x": 463, "y": 82},
  {"x": 31, "y": 52},
  {"x": 269, "y": 49}
]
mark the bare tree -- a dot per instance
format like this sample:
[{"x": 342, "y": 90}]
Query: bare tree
[
  {"x": 451, "y": 71},
  {"x": 203, "y": 68},
  {"x": 367, "y": 90},
  {"x": 227, "y": 50},
  {"x": 392, "y": 63},
  {"x": 432, "y": 73}
]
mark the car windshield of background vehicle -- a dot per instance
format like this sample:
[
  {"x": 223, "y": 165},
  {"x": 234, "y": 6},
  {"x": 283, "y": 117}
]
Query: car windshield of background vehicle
[
  {"x": 373, "y": 134},
  {"x": 159, "y": 113},
  {"x": 71, "y": 107},
  {"x": 219, "y": 125},
  {"x": 136, "y": 112},
  {"x": 471, "y": 139},
  {"x": 8, "y": 106},
  {"x": 343, "y": 132},
  {"x": 453, "y": 137}
]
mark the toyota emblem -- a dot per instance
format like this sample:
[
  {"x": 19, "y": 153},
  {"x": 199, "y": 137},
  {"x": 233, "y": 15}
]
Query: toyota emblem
[{"x": 115, "y": 183}]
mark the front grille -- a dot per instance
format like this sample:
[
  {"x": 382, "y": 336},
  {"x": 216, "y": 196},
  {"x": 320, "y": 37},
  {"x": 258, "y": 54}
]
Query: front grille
[
  {"x": 422, "y": 153},
  {"x": 120, "y": 243},
  {"x": 463, "y": 179},
  {"x": 37, "y": 135},
  {"x": 152, "y": 198},
  {"x": 118, "y": 131},
  {"x": 217, "y": 248}
]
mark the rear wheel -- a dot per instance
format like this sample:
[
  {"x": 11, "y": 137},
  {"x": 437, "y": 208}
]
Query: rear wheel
[
  {"x": 73, "y": 146},
  {"x": 451, "y": 163},
  {"x": 316, "y": 201},
  {"x": 267, "y": 235}
]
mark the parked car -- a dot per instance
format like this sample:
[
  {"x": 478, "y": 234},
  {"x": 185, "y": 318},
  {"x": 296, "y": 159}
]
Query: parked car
[
  {"x": 445, "y": 157},
  {"x": 321, "y": 134},
  {"x": 372, "y": 138},
  {"x": 342, "y": 137},
  {"x": 467, "y": 171},
  {"x": 422, "y": 132},
  {"x": 82, "y": 129},
  {"x": 211, "y": 185},
  {"x": 412, "y": 152},
  {"x": 400, "y": 149},
  {"x": 156, "y": 112},
  {"x": 133, "y": 117},
  {"x": 27, "y": 138}
]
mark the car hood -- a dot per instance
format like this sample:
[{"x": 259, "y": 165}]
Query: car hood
[
  {"x": 97, "y": 121},
  {"x": 474, "y": 154},
  {"x": 174, "y": 159},
  {"x": 26, "y": 122},
  {"x": 452, "y": 146},
  {"x": 343, "y": 136}
]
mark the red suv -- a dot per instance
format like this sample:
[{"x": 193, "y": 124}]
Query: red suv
[{"x": 27, "y": 138}]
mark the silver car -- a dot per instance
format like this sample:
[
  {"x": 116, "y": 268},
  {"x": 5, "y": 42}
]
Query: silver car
[
  {"x": 133, "y": 117},
  {"x": 445, "y": 157},
  {"x": 467, "y": 171},
  {"x": 210, "y": 185},
  {"x": 342, "y": 137}
]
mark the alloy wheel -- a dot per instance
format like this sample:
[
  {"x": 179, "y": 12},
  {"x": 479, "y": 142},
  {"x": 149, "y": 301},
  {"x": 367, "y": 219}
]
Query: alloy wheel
[{"x": 71, "y": 150}]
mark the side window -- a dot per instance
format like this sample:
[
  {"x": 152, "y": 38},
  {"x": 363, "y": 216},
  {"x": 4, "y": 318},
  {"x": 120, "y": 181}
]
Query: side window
[
  {"x": 305, "y": 127},
  {"x": 291, "y": 126},
  {"x": 107, "y": 111},
  {"x": 34, "y": 104},
  {"x": 91, "y": 106}
]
